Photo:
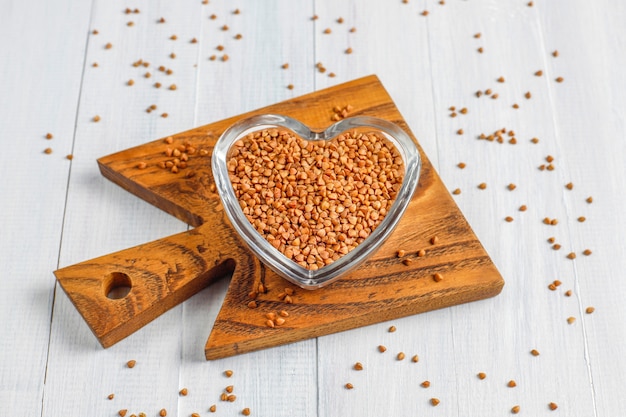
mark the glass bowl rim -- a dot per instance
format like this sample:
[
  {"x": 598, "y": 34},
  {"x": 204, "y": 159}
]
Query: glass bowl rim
[{"x": 272, "y": 257}]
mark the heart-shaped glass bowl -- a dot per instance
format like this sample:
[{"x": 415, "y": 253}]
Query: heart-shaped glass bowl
[{"x": 268, "y": 254}]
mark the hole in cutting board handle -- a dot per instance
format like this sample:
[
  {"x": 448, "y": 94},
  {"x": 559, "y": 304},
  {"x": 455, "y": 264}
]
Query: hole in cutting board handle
[{"x": 117, "y": 285}]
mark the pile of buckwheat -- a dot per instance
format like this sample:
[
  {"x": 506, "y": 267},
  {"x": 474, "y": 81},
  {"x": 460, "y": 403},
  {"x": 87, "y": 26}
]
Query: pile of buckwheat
[{"x": 315, "y": 201}]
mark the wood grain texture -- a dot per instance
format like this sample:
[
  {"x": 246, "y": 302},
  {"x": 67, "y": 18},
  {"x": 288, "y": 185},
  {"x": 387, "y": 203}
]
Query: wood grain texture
[
  {"x": 519, "y": 248},
  {"x": 589, "y": 125},
  {"x": 58, "y": 212},
  {"x": 103, "y": 218},
  {"x": 33, "y": 203},
  {"x": 168, "y": 271}
]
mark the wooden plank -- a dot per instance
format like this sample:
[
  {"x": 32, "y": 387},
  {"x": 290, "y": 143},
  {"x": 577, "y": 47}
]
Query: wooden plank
[
  {"x": 274, "y": 32},
  {"x": 102, "y": 217},
  {"x": 251, "y": 78},
  {"x": 40, "y": 84},
  {"x": 391, "y": 39},
  {"x": 529, "y": 315},
  {"x": 381, "y": 289},
  {"x": 588, "y": 110}
]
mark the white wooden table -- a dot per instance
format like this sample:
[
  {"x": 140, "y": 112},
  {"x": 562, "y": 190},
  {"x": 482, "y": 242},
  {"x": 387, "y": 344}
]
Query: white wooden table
[{"x": 57, "y": 212}]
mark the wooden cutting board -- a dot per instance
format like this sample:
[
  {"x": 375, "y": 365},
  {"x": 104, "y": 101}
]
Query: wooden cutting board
[{"x": 164, "y": 273}]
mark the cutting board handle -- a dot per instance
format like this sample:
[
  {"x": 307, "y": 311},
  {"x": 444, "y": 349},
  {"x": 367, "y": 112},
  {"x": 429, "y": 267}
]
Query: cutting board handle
[{"x": 119, "y": 293}]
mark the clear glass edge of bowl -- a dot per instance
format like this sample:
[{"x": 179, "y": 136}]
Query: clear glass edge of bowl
[{"x": 271, "y": 256}]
